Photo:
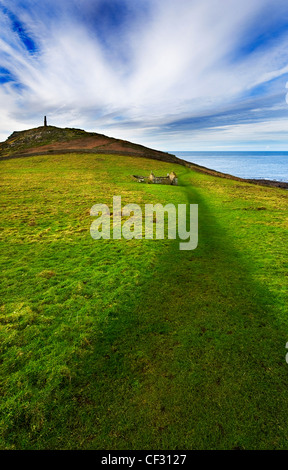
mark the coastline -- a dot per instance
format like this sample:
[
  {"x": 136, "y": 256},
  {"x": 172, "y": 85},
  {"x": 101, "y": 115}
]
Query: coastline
[{"x": 219, "y": 174}]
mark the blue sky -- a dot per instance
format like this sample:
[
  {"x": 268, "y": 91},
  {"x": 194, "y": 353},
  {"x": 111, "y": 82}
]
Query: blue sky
[{"x": 170, "y": 74}]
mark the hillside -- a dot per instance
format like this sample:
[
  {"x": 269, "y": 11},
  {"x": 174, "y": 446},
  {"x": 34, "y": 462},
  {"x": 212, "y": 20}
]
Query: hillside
[
  {"x": 135, "y": 344},
  {"x": 53, "y": 140}
]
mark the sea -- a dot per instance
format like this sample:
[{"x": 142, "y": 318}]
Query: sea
[{"x": 251, "y": 165}]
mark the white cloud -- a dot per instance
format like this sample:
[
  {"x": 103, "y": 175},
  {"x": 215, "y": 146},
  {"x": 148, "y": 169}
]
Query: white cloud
[{"x": 179, "y": 61}]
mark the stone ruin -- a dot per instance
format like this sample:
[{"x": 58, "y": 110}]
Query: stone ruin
[{"x": 171, "y": 179}]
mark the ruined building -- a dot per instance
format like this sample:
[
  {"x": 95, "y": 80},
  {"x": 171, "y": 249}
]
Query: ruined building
[{"x": 171, "y": 178}]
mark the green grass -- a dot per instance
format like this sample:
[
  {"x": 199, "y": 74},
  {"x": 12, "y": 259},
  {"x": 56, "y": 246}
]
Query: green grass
[{"x": 136, "y": 344}]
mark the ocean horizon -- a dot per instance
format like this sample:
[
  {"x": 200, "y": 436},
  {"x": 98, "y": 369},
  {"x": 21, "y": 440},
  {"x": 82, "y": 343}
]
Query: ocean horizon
[{"x": 269, "y": 165}]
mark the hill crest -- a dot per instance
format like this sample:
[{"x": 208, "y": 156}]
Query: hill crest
[{"x": 51, "y": 139}]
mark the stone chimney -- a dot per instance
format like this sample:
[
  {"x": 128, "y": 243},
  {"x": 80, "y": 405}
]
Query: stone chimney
[
  {"x": 45, "y": 121},
  {"x": 151, "y": 177}
]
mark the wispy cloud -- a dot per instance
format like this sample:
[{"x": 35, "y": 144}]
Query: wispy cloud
[{"x": 145, "y": 70}]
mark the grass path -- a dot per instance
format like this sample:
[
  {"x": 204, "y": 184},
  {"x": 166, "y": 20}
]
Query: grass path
[
  {"x": 199, "y": 360},
  {"x": 190, "y": 355}
]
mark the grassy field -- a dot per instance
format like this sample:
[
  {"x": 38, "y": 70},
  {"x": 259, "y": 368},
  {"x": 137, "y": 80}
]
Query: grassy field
[{"x": 135, "y": 344}]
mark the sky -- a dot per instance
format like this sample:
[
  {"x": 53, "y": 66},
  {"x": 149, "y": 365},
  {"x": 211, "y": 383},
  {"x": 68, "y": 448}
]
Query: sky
[{"x": 169, "y": 74}]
